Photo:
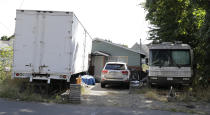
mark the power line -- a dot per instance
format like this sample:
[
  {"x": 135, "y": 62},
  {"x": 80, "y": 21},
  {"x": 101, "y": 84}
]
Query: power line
[
  {"x": 5, "y": 26},
  {"x": 21, "y": 4}
]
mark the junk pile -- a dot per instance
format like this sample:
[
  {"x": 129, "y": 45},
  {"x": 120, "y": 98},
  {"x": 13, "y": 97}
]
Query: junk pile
[
  {"x": 75, "y": 93},
  {"x": 88, "y": 80}
]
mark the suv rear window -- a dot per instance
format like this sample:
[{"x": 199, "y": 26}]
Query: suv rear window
[{"x": 115, "y": 67}]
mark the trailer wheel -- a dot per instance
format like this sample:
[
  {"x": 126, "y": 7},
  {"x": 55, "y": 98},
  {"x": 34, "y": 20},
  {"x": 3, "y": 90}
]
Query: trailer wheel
[{"x": 73, "y": 79}]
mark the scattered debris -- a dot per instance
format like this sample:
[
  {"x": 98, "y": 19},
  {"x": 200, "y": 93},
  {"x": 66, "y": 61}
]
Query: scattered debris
[
  {"x": 190, "y": 106},
  {"x": 134, "y": 85},
  {"x": 172, "y": 95}
]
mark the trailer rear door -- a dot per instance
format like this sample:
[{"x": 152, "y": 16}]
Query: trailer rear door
[{"x": 42, "y": 43}]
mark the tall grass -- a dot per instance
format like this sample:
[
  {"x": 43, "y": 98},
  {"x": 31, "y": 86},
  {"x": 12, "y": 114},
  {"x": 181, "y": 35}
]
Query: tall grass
[
  {"x": 198, "y": 93},
  {"x": 188, "y": 94},
  {"x": 13, "y": 89},
  {"x": 17, "y": 88}
]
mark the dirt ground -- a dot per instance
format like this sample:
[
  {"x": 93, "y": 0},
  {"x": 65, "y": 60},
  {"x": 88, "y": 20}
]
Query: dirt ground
[{"x": 120, "y": 96}]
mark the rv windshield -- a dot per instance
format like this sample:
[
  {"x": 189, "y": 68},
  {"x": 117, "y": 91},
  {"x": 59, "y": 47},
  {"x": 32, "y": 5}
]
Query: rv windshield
[{"x": 170, "y": 58}]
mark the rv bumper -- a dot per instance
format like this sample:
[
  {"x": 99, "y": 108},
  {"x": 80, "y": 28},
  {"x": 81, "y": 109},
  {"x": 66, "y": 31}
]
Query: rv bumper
[{"x": 170, "y": 80}]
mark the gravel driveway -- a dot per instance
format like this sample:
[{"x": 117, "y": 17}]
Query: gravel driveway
[{"x": 119, "y": 96}]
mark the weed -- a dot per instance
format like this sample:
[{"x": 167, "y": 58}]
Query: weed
[
  {"x": 195, "y": 94},
  {"x": 143, "y": 90},
  {"x": 153, "y": 94},
  {"x": 15, "y": 89},
  {"x": 58, "y": 99}
]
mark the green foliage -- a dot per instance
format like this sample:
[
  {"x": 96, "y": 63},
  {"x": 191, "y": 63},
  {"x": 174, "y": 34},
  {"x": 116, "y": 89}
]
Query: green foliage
[
  {"x": 6, "y": 55},
  {"x": 18, "y": 88},
  {"x": 195, "y": 94},
  {"x": 173, "y": 20},
  {"x": 5, "y": 38},
  {"x": 183, "y": 20}
]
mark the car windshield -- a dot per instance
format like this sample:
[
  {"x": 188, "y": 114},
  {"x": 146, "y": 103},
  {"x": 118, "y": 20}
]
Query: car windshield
[
  {"x": 115, "y": 67},
  {"x": 170, "y": 58}
]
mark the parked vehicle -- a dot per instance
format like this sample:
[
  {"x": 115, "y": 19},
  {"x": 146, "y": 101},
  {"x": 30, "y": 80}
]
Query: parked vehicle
[
  {"x": 170, "y": 64},
  {"x": 49, "y": 45},
  {"x": 115, "y": 73}
]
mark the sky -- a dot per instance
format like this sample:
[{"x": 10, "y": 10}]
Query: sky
[{"x": 121, "y": 21}]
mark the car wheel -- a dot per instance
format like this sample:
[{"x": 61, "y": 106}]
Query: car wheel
[{"x": 103, "y": 85}]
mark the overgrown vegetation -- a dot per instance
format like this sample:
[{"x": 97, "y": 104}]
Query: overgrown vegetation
[
  {"x": 12, "y": 89},
  {"x": 154, "y": 94},
  {"x": 187, "y": 21},
  {"x": 17, "y": 88},
  {"x": 195, "y": 94},
  {"x": 188, "y": 94}
]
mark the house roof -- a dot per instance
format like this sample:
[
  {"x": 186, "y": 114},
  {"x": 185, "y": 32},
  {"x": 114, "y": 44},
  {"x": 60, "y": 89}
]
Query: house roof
[
  {"x": 144, "y": 48},
  {"x": 100, "y": 53},
  {"x": 120, "y": 46}
]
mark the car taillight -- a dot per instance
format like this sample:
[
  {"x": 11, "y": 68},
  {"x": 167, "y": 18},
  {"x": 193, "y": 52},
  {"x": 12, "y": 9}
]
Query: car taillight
[
  {"x": 104, "y": 71},
  {"x": 17, "y": 74},
  {"x": 125, "y": 72},
  {"x": 102, "y": 79}
]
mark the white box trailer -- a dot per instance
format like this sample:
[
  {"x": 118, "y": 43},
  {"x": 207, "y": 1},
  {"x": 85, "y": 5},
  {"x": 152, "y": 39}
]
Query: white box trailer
[{"x": 49, "y": 45}]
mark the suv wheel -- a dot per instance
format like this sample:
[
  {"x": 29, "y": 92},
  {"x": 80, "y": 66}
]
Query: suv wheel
[
  {"x": 127, "y": 86},
  {"x": 103, "y": 85}
]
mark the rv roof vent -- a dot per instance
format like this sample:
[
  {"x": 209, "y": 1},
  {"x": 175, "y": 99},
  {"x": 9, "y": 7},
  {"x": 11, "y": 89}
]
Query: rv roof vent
[
  {"x": 178, "y": 42},
  {"x": 167, "y": 43}
]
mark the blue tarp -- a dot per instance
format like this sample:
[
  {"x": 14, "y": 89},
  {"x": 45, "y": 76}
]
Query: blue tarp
[{"x": 88, "y": 79}]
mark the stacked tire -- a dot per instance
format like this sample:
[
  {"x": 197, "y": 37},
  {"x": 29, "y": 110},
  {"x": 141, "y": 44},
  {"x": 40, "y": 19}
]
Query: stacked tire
[{"x": 75, "y": 93}]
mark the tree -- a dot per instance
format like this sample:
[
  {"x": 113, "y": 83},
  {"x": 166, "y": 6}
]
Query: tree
[
  {"x": 5, "y": 38},
  {"x": 205, "y": 35}
]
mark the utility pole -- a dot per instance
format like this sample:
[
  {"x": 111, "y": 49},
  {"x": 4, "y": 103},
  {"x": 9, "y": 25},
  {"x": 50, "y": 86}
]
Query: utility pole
[{"x": 140, "y": 59}]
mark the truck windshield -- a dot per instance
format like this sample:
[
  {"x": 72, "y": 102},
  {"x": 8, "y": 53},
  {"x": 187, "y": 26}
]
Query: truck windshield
[{"x": 170, "y": 58}]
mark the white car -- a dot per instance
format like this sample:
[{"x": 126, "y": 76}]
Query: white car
[{"x": 115, "y": 73}]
